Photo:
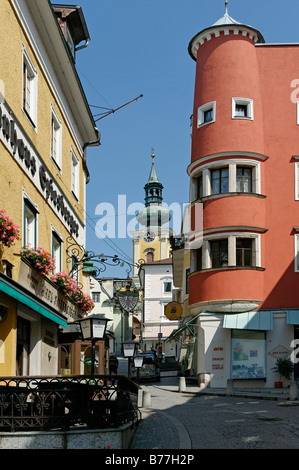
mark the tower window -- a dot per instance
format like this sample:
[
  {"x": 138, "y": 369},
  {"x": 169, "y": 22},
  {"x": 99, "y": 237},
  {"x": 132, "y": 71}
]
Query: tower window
[
  {"x": 220, "y": 180},
  {"x": 219, "y": 253},
  {"x": 206, "y": 114},
  {"x": 244, "y": 180},
  {"x": 242, "y": 108}
]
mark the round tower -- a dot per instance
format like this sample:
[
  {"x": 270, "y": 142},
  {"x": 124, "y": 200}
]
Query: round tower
[{"x": 227, "y": 154}]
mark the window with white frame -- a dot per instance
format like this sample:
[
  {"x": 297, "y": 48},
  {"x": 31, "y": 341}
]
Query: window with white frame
[
  {"x": 167, "y": 287},
  {"x": 229, "y": 177},
  {"x": 75, "y": 175},
  {"x": 57, "y": 251},
  {"x": 56, "y": 139},
  {"x": 30, "y": 224},
  {"x": 29, "y": 89},
  {"x": 242, "y": 108},
  {"x": 206, "y": 114},
  {"x": 231, "y": 250},
  {"x": 96, "y": 297}
]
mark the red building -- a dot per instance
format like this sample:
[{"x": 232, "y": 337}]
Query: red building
[{"x": 244, "y": 281}]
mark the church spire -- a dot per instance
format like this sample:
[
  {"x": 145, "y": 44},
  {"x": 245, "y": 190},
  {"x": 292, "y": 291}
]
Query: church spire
[{"x": 153, "y": 188}]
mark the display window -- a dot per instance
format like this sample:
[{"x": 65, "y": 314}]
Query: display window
[{"x": 248, "y": 354}]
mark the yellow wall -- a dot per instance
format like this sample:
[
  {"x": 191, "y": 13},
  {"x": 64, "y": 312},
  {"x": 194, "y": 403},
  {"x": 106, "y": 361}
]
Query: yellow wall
[
  {"x": 8, "y": 338},
  {"x": 13, "y": 179}
]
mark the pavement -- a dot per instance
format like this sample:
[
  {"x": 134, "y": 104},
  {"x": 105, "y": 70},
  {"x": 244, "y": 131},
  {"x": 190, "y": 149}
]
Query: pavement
[{"x": 161, "y": 430}]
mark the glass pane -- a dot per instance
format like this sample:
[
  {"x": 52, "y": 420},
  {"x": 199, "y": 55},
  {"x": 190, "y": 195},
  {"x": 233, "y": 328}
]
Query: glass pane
[
  {"x": 66, "y": 359},
  {"x": 208, "y": 115},
  {"x": 215, "y": 181},
  {"x": 224, "y": 180},
  {"x": 86, "y": 360}
]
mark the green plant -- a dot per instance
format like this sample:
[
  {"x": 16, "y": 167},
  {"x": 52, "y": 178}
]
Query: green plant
[{"x": 284, "y": 367}]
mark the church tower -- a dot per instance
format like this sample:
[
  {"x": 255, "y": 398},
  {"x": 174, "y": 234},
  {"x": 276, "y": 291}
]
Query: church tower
[{"x": 151, "y": 240}]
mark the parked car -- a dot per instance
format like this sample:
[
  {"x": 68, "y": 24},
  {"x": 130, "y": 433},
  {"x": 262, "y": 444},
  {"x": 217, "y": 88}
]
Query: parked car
[{"x": 150, "y": 369}]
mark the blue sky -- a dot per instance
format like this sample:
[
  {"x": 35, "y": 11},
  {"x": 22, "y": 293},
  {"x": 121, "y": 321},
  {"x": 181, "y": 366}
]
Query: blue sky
[{"x": 140, "y": 47}]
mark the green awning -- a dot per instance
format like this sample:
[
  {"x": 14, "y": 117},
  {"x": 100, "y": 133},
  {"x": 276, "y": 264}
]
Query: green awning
[
  {"x": 182, "y": 328},
  {"x": 8, "y": 287},
  {"x": 256, "y": 320}
]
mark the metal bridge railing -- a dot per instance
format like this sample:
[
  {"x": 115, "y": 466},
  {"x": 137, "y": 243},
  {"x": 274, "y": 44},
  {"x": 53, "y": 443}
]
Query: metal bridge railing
[{"x": 61, "y": 402}]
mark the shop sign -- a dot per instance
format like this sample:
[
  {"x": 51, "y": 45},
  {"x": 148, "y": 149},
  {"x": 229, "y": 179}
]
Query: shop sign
[
  {"x": 279, "y": 351},
  {"x": 20, "y": 147},
  {"x": 218, "y": 358},
  {"x": 173, "y": 310},
  {"x": 44, "y": 290}
]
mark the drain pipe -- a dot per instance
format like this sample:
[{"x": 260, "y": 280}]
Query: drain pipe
[{"x": 90, "y": 144}]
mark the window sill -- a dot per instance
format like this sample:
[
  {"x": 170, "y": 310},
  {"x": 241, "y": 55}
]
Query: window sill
[
  {"x": 232, "y": 194},
  {"x": 56, "y": 164},
  {"x": 229, "y": 268}
]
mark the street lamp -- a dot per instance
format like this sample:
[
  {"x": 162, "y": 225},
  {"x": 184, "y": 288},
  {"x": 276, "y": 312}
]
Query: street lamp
[
  {"x": 138, "y": 363},
  {"x": 128, "y": 348},
  {"x": 93, "y": 328}
]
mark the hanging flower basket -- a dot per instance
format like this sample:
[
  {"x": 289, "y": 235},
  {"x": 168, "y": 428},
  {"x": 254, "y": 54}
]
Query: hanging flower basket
[
  {"x": 64, "y": 282},
  {"x": 39, "y": 258},
  {"x": 9, "y": 232},
  {"x": 82, "y": 300},
  {"x": 69, "y": 287}
]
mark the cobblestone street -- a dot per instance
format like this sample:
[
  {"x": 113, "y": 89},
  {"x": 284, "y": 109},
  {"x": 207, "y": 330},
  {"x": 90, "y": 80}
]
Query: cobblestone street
[{"x": 182, "y": 421}]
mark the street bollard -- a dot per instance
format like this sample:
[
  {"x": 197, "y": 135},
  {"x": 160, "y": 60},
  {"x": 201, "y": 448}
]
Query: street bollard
[
  {"x": 229, "y": 388},
  {"x": 182, "y": 384},
  {"x": 147, "y": 399},
  {"x": 293, "y": 392},
  {"x": 140, "y": 398}
]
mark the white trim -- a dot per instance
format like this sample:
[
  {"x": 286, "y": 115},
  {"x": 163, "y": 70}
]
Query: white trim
[
  {"x": 206, "y": 258},
  {"x": 75, "y": 174},
  {"x": 244, "y": 102},
  {"x": 30, "y": 109},
  {"x": 56, "y": 145},
  {"x": 200, "y": 113},
  {"x": 206, "y": 168},
  {"x": 296, "y": 181},
  {"x": 52, "y": 82}
]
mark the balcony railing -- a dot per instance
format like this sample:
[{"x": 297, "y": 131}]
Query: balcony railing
[{"x": 63, "y": 402}]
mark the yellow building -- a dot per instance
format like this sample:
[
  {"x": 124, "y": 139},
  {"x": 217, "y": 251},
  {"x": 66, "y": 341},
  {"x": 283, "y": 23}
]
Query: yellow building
[{"x": 45, "y": 127}]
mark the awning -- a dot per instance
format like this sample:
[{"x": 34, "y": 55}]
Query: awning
[
  {"x": 180, "y": 330},
  {"x": 256, "y": 320},
  {"x": 293, "y": 317},
  {"x": 9, "y": 287}
]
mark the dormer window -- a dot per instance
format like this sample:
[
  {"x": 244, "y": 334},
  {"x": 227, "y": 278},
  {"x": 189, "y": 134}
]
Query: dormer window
[{"x": 73, "y": 26}]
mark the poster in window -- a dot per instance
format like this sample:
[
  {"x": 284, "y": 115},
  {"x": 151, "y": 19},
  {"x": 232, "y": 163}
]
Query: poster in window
[{"x": 248, "y": 358}]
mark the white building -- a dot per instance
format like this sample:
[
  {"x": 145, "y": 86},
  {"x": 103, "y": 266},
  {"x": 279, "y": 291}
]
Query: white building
[{"x": 157, "y": 282}]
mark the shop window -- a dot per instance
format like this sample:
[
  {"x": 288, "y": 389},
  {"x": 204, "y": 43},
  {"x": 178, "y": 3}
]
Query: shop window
[
  {"x": 66, "y": 355},
  {"x": 248, "y": 354},
  {"x": 29, "y": 89},
  {"x": 23, "y": 346},
  {"x": 30, "y": 224}
]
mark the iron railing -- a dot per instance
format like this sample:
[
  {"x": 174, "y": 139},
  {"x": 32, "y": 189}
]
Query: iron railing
[{"x": 62, "y": 402}]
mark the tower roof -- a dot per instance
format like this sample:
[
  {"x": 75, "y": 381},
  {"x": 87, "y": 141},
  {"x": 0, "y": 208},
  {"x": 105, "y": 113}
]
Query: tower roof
[
  {"x": 153, "y": 178},
  {"x": 222, "y": 24}
]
